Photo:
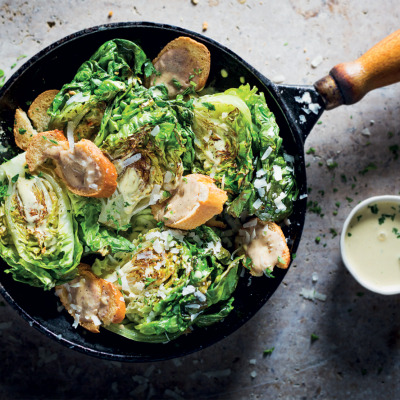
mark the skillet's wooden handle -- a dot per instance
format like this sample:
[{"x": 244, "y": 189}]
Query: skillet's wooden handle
[{"x": 349, "y": 82}]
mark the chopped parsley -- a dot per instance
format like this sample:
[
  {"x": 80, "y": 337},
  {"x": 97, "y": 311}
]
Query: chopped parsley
[
  {"x": 349, "y": 234},
  {"x": 311, "y": 150},
  {"x": 314, "y": 337},
  {"x": 28, "y": 175},
  {"x": 53, "y": 141},
  {"x": 268, "y": 352},
  {"x": 396, "y": 232},
  {"x": 14, "y": 178},
  {"x": 332, "y": 164},
  {"x": 3, "y": 191},
  {"x": 374, "y": 209},
  {"x": 281, "y": 260},
  {"x": 176, "y": 83},
  {"x": 268, "y": 273},
  {"x": 371, "y": 166},
  {"x": 313, "y": 207},
  {"x": 190, "y": 89},
  {"x": 21, "y": 131},
  {"x": 333, "y": 232},
  {"x": 383, "y": 217},
  {"x": 149, "y": 281},
  {"x": 209, "y": 106},
  {"x": 318, "y": 239}
]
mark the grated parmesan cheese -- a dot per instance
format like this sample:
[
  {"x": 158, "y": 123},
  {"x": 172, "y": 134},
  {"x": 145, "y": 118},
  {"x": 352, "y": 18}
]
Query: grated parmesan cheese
[
  {"x": 277, "y": 172},
  {"x": 155, "y": 130},
  {"x": 189, "y": 289},
  {"x": 266, "y": 153},
  {"x": 257, "y": 204}
]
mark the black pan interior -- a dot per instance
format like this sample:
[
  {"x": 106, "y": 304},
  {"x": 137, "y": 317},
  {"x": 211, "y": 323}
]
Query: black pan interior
[{"x": 56, "y": 65}]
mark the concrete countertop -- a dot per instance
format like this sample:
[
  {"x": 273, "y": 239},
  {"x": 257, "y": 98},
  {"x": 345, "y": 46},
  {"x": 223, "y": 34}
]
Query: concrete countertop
[{"x": 357, "y": 355}]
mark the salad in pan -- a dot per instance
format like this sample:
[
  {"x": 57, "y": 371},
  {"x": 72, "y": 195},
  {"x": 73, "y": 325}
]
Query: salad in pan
[{"x": 176, "y": 189}]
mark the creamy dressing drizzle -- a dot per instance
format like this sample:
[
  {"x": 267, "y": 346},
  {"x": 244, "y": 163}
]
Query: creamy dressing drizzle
[
  {"x": 372, "y": 244},
  {"x": 78, "y": 168},
  {"x": 264, "y": 247},
  {"x": 185, "y": 201}
]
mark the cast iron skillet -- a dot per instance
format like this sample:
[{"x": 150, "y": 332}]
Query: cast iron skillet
[{"x": 57, "y": 64}]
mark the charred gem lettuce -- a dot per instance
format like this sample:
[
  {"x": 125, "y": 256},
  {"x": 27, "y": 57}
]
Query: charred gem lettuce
[
  {"x": 237, "y": 142},
  {"x": 145, "y": 136},
  {"x": 38, "y": 234},
  {"x": 110, "y": 71},
  {"x": 222, "y": 127},
  {"x": 274, "y": 178},
  {"x": 172, "y": 280}
]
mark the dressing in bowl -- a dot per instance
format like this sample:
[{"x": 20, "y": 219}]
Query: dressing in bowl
[{"x": 370, "y": 244}]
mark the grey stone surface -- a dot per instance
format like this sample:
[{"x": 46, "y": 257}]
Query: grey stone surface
[{"x": 357, "y": 355}]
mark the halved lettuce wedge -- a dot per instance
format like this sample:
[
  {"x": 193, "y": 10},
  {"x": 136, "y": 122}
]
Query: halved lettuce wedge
[
  {"x": 38, "y": 234},
  {"x": 237, "y": 143},
  {"x": 147, "y": 137},
  {"x": 171, "y": 281},
  {"x": 111, "y": 70}
]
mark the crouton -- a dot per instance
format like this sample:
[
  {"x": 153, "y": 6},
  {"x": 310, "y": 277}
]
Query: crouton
[
  {"x": 183, "y": 63},
  {"x": 265, "y": 244},
  {"x": 41, "y": 145},
  {"x": 23, "y": 129},
  {"x": 38, "y": 110},
  {"x": 85, "y": 170},
  {"x": 196, "y": 201},
  {"x": 92, "y": 301}
]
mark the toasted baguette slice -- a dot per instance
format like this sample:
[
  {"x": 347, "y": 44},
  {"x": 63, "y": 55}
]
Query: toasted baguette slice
[
  {"x": 40, "y": 146},
  {"x": 196, "y": 201},
  {"x": 180, "y": 62},
  {"x": 86, "y": 171},
  {"x": 38, "y": 110},
  {"x": 23, "y": 129},
  {"x": 92, "y": 300},
  {"x": 105, "y": 173},
  {"x": 265, "y": 244}
]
